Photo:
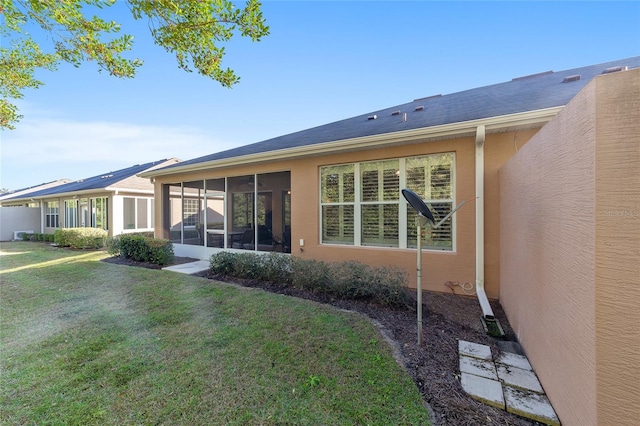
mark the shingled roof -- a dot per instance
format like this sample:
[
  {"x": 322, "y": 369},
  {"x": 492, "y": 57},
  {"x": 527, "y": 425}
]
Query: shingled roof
[
  {"x": 119, "y": 179},
  {"x": 530, "y": 93}
]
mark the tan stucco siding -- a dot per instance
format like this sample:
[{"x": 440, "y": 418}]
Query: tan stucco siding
[
  {"x": 498, "y": 148},
  {"x": 438, "y": 267},
  {"x": 617, "y": 256},
  {"x": 569, "y": 269}
]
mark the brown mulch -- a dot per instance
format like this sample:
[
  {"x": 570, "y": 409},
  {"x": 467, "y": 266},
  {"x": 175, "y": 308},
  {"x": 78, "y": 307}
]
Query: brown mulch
[{"x": 447, "y": 318}]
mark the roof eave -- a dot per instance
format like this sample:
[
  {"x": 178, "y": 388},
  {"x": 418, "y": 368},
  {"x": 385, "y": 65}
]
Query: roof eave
[{"x": 492, "y": 124}]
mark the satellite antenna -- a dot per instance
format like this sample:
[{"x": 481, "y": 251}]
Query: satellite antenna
[{"x": 425, "y": 218}]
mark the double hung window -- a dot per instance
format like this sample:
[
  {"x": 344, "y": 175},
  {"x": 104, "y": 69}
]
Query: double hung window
[
  {"x": 52, "y": 214},
  {"x": 362, "y": 205}
]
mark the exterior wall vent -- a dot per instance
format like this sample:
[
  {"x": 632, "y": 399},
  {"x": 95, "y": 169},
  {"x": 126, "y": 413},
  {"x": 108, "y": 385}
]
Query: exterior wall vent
[
  {"x": 571, "y": 78},
  {"x": 615, "y": 69},
  {"x": 372, "y": 117},
  {"x": 419, "y": 108},
  {"x": 396, "y": 112}
]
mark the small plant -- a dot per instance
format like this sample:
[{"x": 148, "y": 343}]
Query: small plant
[{"x": 312, "y": 381}]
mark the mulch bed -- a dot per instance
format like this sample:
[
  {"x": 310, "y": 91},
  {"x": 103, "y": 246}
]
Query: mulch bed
[{"x": 447, "y": 318}]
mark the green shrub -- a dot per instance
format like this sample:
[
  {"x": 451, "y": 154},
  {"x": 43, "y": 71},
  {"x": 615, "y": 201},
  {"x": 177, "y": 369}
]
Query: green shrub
[
  {"x": 345, "y": 280},
  {"x": 26, "y": 237},
  {"x": 141, "y": 248},
  {"x": 80, "y": 238}
]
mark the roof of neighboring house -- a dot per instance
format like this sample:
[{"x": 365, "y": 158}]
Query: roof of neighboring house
[
  {"x": 17, "y": 192},
  {"x": 124, "y": 179},
  {"x": 530, "y": 93}
]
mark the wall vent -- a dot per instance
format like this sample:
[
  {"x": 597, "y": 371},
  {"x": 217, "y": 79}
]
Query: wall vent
[
  {"x": 571, "y": 78},
  {"x": 615, "y": 69}
]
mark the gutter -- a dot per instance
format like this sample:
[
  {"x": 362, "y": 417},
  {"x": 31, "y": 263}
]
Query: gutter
[
  {"x": 487, "y": 312},
  {"x": 444, "y": 131}
]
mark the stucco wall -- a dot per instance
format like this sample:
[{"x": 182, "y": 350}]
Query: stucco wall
[
  {"x": 18, "y": 219},
  {"x": 438, "y": 266},
  {"x": 617, "y": 256},
  {"x": 569, "y": 274}
]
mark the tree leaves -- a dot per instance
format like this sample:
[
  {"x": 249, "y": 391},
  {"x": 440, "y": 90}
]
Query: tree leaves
[{"x": 190, "y": 30}]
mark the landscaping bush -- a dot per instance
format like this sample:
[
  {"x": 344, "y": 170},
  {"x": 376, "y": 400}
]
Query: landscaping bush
[
  {"x": 141, "y": 248},
  {"x": 81, "y": 238},
  {"x": 345, "y": 280}
]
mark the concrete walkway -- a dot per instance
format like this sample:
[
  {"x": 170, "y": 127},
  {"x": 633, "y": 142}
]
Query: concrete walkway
[
  {"x": 189, "y": 268},
  {"x": 508, "y": 382}
]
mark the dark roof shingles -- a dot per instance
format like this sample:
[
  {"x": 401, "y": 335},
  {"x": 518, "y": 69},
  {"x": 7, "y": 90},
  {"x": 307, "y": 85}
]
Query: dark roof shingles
[{"x": 529, "y": 93}]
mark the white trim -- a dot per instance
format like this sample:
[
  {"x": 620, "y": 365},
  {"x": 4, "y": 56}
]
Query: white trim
[{"x": 529, "y": 118}]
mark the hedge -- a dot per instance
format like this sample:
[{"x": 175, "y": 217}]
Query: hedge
[
  {"x": 142, "y": 248},
  {"x": 352, "y": 280},
  {"x": 80, "y": 238}
]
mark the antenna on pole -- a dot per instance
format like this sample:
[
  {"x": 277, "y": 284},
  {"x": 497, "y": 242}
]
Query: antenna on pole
[{"x": 425, "y": 217}]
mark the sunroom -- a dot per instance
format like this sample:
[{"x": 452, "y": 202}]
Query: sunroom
[{"x": 248, "y": 212}]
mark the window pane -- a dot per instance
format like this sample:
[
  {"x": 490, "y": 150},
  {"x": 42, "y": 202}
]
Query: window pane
[
  {"x": 436, "y": 239},
  {"x": 380, "y": 225},
  {"x": 380, "y": 181},
  {"x": 337, "y": 224},
  {"x": 174, "y": 204},
  {"x": 141, "y": 213},
  {"x": 337, "y": 184},
  {"x": 129, "y": 213}
]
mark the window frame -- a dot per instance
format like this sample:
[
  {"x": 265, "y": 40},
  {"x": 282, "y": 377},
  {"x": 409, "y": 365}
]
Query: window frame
[
  {"x": 52, "y": 214},
  {"x": 403, "y": 210}
]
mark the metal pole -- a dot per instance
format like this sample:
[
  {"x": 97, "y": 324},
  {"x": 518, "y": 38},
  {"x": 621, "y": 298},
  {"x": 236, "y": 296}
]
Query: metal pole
[{"x": 419, "y": 283}]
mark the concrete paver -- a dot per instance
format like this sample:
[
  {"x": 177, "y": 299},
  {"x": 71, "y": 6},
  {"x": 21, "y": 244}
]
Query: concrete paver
[
  {"x": 519, "y": 378},
  {"x": 189, "y": 268},
  {"x": 517, "y": 389},
  {"x": 514, "y": 360},
  {"x": 474, "y": 350},
  {"x": 479, "y": 367},
  {"x": 531, "y": 405},
  {"x": 483, "y": 389}
]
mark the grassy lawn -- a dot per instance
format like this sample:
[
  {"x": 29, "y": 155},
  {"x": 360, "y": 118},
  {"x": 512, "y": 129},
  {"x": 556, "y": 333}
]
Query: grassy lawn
[{"x": 86, "y": 342}]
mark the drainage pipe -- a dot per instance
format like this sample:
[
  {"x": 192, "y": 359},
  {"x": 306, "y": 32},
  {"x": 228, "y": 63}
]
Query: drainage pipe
[{"x": 487, "y": 312}]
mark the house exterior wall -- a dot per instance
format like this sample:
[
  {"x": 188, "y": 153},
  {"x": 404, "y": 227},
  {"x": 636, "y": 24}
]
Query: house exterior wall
[
  {"x": 115, "y": 207},
  {"x": 569, "y": 266},
  {"x": 438, "y": 266},
  {"x": 18, "y": 219},
  {"x": 617, "y": 256}
]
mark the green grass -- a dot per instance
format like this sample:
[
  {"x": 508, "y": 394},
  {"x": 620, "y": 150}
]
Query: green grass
[{"x": 86, "y": 342}]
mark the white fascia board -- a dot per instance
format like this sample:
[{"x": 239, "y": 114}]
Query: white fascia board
[
  {"x": 132, "y": 191},
  {"x": 492, "y": 124}
]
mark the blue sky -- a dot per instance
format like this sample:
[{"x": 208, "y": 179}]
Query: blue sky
[{"x": 322, "y": 62}]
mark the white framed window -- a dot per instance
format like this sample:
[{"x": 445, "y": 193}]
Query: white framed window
[
  {"x": 361, "y": 203},
  {"x": 71, "y": 214},
  {"x": 52, "y": 214},
  {"x": 137, "y": 213},
  {"x": 99, "y": 212}
]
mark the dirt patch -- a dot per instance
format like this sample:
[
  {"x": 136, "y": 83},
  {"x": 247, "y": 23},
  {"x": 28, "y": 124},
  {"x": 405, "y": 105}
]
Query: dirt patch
[{"x": 447, "y": 318}]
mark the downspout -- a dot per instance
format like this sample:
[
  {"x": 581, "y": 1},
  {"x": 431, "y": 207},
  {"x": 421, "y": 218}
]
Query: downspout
[{"x": 487, "y": 312}]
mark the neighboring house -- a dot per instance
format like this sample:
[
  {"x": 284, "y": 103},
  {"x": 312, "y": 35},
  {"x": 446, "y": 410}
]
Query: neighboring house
[
  {"x": 333, "y": 193},
  {"x": 22, "y": 217},
  {"x": 117, "y": 201}
]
